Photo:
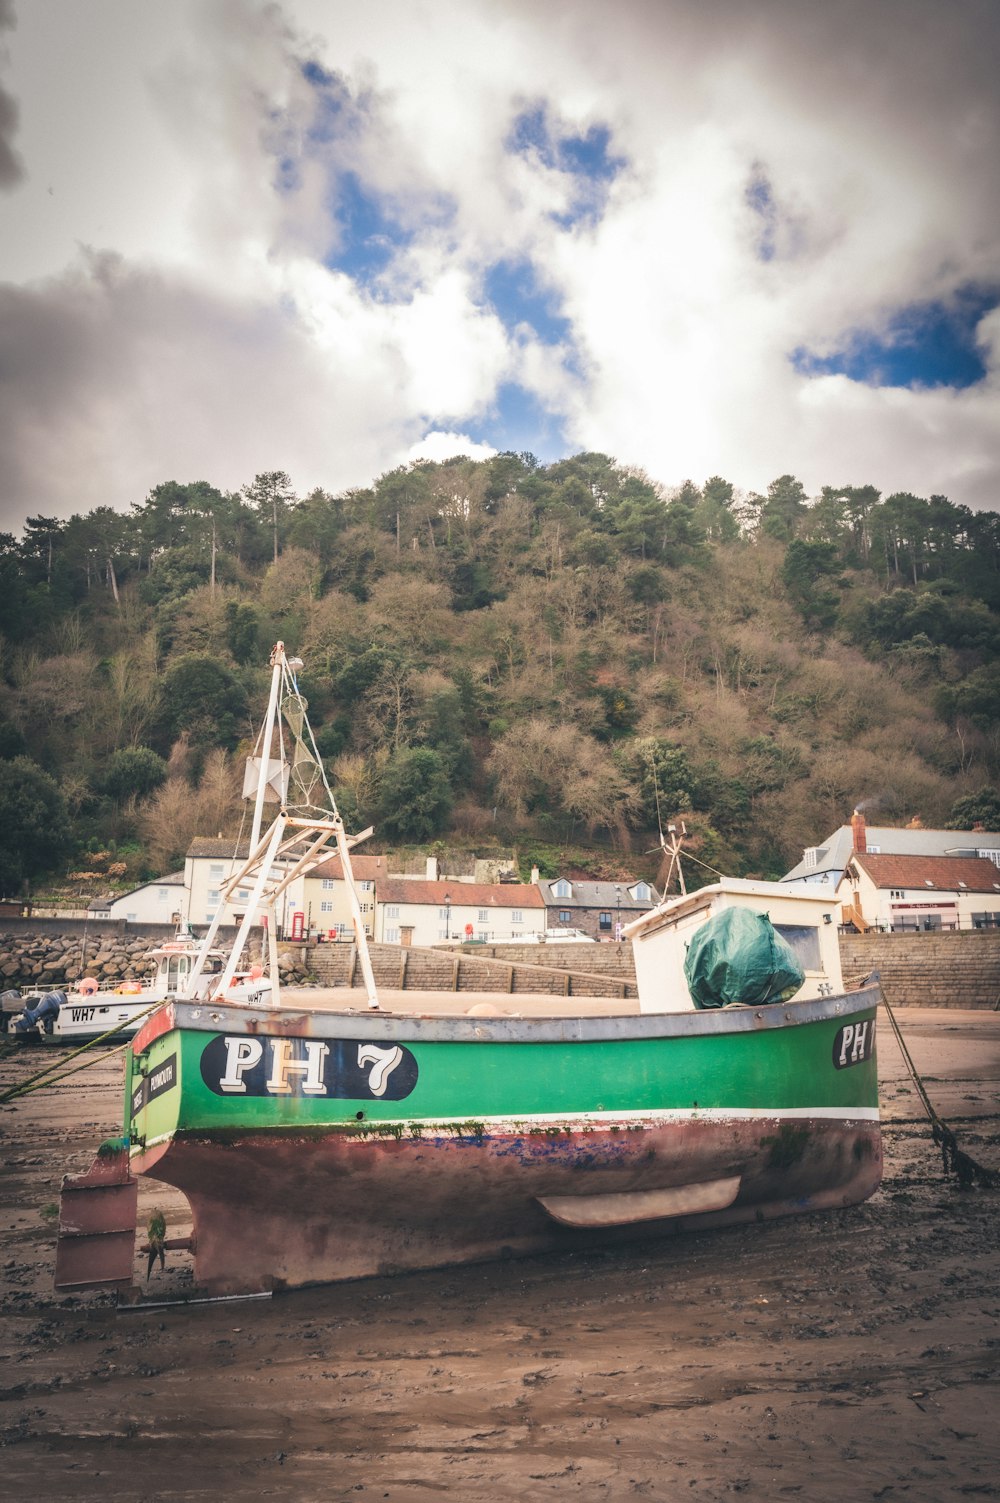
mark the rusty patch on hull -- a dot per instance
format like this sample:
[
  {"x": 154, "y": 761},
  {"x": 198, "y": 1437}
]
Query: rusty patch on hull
[{"x": 282, "y": 1209}]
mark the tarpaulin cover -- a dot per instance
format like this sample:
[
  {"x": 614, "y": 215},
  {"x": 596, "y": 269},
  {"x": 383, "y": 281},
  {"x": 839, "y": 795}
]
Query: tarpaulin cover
[{"x": 737, "y": 957}]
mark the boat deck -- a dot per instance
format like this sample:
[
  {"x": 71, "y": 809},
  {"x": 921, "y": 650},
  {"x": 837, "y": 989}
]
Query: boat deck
[{"x": 456, "y": 1004}]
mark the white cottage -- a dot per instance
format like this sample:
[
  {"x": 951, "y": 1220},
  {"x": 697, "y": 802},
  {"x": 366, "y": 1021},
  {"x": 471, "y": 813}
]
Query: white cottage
[
  {"x": 920, "y": 892},
  {"x": 413, "y": 912}
]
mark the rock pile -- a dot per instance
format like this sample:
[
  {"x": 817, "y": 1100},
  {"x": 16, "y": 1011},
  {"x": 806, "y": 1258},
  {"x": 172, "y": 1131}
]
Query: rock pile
[{"x": 55, "y": 960}]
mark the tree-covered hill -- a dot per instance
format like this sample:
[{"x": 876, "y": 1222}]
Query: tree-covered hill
[{"x": 499, "y": 650}]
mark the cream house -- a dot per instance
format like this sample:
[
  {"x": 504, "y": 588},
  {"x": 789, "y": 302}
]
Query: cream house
[
  {"x": 208, "y": 865},
  {"x": 410, "y": 911},
  {"x": 920, "y": 892},
  {"x": 324, "y": 894}
]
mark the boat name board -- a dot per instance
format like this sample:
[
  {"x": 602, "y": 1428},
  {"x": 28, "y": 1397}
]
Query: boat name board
[
  {"x": 163, "y": 1078},
  {"x": 853, "y": 1044},
  {"x": 342, "y": 1068}
]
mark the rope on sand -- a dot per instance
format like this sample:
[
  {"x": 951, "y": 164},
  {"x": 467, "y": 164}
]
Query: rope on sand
[{"x": 954, "y": 1160}]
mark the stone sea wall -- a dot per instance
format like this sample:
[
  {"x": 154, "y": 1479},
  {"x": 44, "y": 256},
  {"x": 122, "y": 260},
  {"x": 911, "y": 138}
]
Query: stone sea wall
[{"x": 59, "y": 960}]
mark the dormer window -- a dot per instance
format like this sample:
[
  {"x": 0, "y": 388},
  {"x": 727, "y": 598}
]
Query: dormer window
[
  {"x": 562, "y": 888},
  {"x": 641, "y": 892},
  {"x": 810, "y": 857}
]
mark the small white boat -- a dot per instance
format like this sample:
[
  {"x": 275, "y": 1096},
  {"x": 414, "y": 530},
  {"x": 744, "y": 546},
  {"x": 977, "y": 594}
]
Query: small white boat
[{"x": 88, "y": 1010}]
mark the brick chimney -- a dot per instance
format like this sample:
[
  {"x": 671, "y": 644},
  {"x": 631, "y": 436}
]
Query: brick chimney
[{"x": 860, "y": 832}]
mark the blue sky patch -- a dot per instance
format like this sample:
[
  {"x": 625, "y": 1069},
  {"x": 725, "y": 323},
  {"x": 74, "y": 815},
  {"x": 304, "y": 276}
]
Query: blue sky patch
[
  {"x": 512, "y": 289},
  {"x": 332, "y": 99},
  {"x": 586, "y": 157},
  {"x": 760, "y": 198},
  {"x": 370, "y": 236},
  {"x": 518, "y": 422},
  {"x": 925, "y": 345}
]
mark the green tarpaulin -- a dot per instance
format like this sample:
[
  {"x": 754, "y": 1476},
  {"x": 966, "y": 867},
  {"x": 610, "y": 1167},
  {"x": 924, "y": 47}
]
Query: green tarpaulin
[{"x": 738, "y": 957}]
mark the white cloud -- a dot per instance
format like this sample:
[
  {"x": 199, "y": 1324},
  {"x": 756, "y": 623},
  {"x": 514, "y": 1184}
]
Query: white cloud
[
  {"x": 439, "y": 446},
  {"x": 213, "y": 341}
]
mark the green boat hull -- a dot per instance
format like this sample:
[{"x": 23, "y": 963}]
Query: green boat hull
[{"x": 321, "y": 1146}]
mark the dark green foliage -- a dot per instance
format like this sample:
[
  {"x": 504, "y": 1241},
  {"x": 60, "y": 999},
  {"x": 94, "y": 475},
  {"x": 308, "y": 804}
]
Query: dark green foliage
[
  {"x": 359, "y": 672},
  {"x": 977, "y": 698},
  {"x": 442, "y": 728},
  {"x": 621, "y": 713},
  {"x": 906, "y": 614},
  {"x": 982, "y": 808},
  {"x": 663, "y": 776},
  {"x": 415, "y": 799},
  {"x": 805, "y": 572},
  {"x": 34, "y": 821},
  {"x": 331, "y": 739},
  {"x": 242, "y": 631},
  {"x": 132, "y": 772},
  {"x": 783, "y": 508},
  {"x": 201, "y": 696}
]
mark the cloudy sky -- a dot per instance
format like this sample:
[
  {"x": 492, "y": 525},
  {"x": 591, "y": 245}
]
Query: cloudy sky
[{"x": 702, "y": 236}]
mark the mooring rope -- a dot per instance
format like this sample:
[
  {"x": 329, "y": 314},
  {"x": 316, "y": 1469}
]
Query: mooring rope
[
  {"x": 954, "y": 1159},
  {"x": 47, "y": 1077}
]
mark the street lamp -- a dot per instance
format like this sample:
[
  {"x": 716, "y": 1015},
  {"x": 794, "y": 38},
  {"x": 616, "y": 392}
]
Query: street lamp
[
  {"x": 618, "y": 920},
  {"x": 447, "y": 915}
]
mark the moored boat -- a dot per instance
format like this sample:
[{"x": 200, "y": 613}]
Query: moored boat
[
  {"x": 90, "y": 1011},
  {"x": 317, "y": 1139}
]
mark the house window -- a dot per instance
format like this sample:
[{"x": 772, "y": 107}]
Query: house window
[
  {"x": 392, "y": 912},
  {"x": 484, "y": 915},
  {"x": 993, "y": 856},
  {"x": 326, "y": 906},
  {"x": 896, "y": 892},
  {"x": 565, "y": 917},
  {"x": 642, "y": 892},
  {"x": 327, "y": 883},
  {"x": 213, "y": 895},
  {"x": 604, "y": 922},
  {"x": 243, "y": 894},
  {"x": 810, "y": 857},
  {"x": 216, "y": 870},
  {"x": 517, "y": 917},
  {"x": 561, "y": 889},
  {"x": 392, "y": 936},
  {"x": 366, "y": 886},
  {"x": 163, "y": 893},
  {"x": 443, "y": 912}
]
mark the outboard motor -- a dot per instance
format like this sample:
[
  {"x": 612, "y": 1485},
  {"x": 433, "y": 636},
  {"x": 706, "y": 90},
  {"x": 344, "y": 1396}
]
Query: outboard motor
[{"x": 42, "y": 1015}]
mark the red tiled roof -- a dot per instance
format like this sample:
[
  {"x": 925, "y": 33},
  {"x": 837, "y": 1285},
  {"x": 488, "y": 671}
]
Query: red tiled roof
[
  {"x": 463, "y": 894},
  {"x": 365, "y": 868},
  {"x": 944, "y": 873}
]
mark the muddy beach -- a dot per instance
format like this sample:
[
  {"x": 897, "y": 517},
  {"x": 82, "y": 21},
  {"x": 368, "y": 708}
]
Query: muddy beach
[{"x": 850, "y": 1355}]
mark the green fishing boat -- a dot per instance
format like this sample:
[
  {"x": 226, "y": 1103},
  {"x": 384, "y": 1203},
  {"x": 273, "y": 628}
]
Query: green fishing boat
[{"x": 328, "y": 1135}]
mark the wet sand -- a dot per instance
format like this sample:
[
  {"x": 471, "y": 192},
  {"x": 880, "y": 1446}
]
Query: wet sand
[{"x": 838, "y": 1356}]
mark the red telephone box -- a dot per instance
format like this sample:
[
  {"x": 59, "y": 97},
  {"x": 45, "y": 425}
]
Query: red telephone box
[{"x": 298, "y": 924}]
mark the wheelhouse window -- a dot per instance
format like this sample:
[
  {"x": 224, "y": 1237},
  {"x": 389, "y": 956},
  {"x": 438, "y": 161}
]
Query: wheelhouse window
[{"x": 803, "y": 940}]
